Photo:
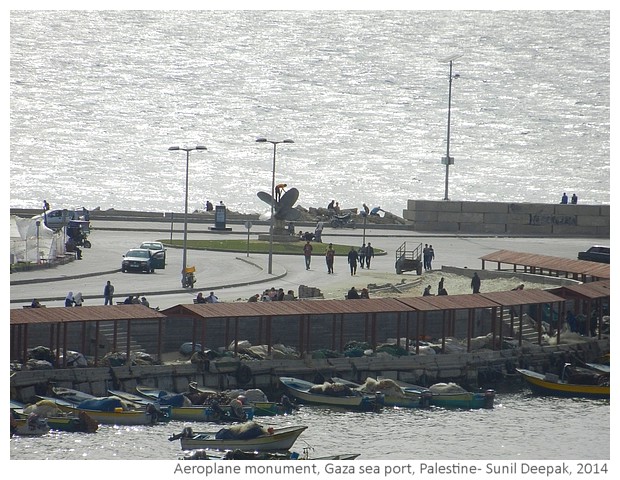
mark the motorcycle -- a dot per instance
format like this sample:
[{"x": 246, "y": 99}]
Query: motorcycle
[
  {"x": 342, "y": 221},
  {"x": 189, "y": 279}
]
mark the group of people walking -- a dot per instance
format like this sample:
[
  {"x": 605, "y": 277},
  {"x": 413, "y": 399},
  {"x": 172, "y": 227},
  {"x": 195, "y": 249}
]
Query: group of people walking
[{"x": 356, "y": 257}]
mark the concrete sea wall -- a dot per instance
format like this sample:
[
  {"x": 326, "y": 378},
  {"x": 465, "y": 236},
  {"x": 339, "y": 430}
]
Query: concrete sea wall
[
  {"x": 480, "y": 368},
  {"x": 539, "y": 219}
]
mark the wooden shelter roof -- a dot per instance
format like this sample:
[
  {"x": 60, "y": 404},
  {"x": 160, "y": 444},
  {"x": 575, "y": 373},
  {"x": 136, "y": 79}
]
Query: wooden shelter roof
[
  {"x": 591, "y": 290},
  {"x": 80, "y": 314},
  {"x": 547, "y": 262}
]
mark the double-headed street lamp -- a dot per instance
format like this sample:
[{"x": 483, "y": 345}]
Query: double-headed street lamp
[
  {"x": 448, "y": 160},
  {"x": 187, "y": 150},
  {"x": 273, "y": 194}
]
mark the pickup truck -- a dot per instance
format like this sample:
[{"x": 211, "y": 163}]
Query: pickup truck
[{"x": 596, "y": 253}]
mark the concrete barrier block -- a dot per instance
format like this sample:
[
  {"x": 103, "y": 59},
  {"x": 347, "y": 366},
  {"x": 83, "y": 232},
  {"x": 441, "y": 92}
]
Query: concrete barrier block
[
  {"x": 420, "y": 216},
  {"x": 436, "y": 226},
  {"x": 577, "y": 209},
  {"x": 605, "y": 210},
  {"x": 602, "y": 232},
  {"x": 539, "y": 208},
  {"x": 496, "y": 228},
  {"x": 592, "y": 221},
  {"x": 529, "y": 229},
  {"x": 504, "y": 218},
  {"x": 449, "y": 373},
  {"x": 447, "y": 206},
  {"x": 461, "y": 217},
  {"x": 484, "y": 207},
  {"x": 99, "y": 389},
  {"x": 433, "y": 206},
  {"x": 574, "y": 230}
]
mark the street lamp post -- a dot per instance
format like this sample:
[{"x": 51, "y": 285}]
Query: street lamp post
[
  {"x": 273, "y": 192},
  {"x": 186, "y": 150},
  {"x": 448, "y": 160}
]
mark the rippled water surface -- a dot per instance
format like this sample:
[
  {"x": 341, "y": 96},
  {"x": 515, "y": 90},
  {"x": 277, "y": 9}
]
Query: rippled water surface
[
  {"x": 97, "y": 97},
  {"x": 521, "y": 426}
]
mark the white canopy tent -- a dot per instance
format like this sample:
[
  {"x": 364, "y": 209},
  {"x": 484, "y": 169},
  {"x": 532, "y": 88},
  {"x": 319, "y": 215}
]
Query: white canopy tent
[{"x": 31, "y": 242}]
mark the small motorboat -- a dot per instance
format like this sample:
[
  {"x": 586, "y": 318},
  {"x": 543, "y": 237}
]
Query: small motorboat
[
  {"x": 180, "y": 407},
  {"x": 56, "y": 419},
  {"x": 574, "y": 382},
  {"x": 393, "y": 394},
  {"x": 248, "y": 436},
  {"x": 331, "y": 394},
  {"x": 451, "y": 395}
]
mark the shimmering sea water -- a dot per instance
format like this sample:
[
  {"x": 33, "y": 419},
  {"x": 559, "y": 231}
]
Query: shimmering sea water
[
  {"x": 520, "y": 426},
  {"x": 97, "y": 97}
]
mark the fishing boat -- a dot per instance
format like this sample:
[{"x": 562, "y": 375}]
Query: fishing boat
[
  {"x": 205, "y": 454},
  {"x": 331, "y": 394},
  {"x": 55, "y": 419},
  {"x": 567, "y": 385},
  {"x": 180, "y": 408},
  {"x": 109, "y": 412},
  {"x": 254, "y": 397},
  {"x": 31, "y": 426},
  {"x": 451, "y": 395},
  {"x": 393, "y": 394},
  {"x": 248, "y": 436}
]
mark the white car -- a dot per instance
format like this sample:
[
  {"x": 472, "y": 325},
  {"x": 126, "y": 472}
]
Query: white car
[{"x": 158, "y": 250}]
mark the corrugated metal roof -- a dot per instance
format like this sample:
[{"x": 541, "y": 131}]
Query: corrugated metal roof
[
  {"x": 448, "y": 302},
  {"x": 523, "y": 297},
  {"x": 274, "y": 309},
  {"x": 591, "y": 290},
  {"x": 546, "y": 262},
  {"x": 80, "y": 314}
]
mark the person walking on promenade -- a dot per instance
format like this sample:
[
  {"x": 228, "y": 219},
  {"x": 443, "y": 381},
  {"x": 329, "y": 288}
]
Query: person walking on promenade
[
  {"x": 361, "y": 253},
  {"x": 352, "y": 260},
  {"x": 329, "y": 258},
  {"x": 370, "y": 253},
  {"x": 108, "y": 293},
  {"x": 475, "y": 283},
  {"x": 318, "y": 231},
  {"x": 308, "y": 254}
]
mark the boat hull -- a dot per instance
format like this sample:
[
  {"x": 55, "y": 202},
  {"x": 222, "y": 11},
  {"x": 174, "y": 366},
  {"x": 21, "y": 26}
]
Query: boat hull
[
  {"x": 300, "y": 389},
  {"x": 539, "y": 384},
  {"x": 281, "y": 440},
  {"x": 133, "y": 417}
]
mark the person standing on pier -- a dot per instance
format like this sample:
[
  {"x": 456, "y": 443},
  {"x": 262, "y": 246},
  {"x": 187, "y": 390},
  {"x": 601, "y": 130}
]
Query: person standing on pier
[
  {"x": 330, "y": 254},
  {"x": 108, "y": 293},
  {"x": 352, "y": 260},
  {"x": 475, "y": 283}
]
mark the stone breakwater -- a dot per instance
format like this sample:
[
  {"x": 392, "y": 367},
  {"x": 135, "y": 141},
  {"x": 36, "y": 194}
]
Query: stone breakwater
[{"x": 514, "y": 219}]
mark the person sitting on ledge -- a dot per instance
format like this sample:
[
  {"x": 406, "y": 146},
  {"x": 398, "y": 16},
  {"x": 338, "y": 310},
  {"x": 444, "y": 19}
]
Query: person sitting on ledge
[
  {"x": 35, "y": 304},
  {"x": 200, "y": 298}
]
